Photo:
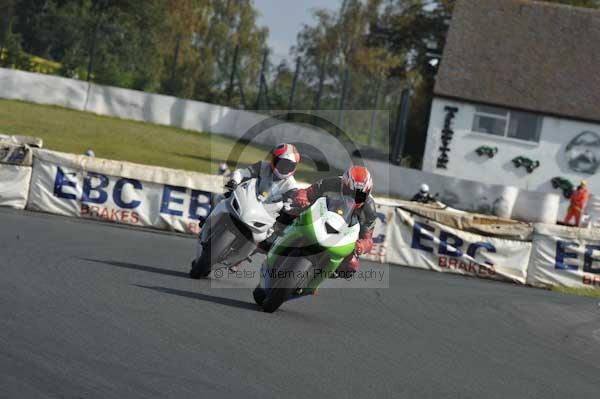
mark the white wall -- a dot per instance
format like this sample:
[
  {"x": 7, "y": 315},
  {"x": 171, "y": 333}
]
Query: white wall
[
  {"x": 465, "y": 163},
  {"x": 42, "y": 89},
  {"x": 205, "y": 117}
]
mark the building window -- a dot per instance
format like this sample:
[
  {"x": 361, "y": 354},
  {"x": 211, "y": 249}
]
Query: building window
[{"x": 502, "y": 122}]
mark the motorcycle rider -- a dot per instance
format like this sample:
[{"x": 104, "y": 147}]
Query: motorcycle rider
[
  {"x": 357, "y": 183},
  {"x": 278, "y": 172},
  {"x": 423, "y": 195},
  {"x": 285, "y": 159}
]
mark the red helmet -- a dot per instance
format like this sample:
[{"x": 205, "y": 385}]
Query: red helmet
[
  {"x": 357, "y": 183},
  {"x": 284, "y": 160}
]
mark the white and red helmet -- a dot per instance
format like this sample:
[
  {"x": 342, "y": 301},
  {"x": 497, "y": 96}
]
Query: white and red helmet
[
  {"x": 357, "y": 183},
  {"x": 284, "y": 160}
]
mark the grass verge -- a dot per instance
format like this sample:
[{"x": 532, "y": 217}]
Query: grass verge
[
  {"x": 74, "y": 131},
  {"x": 589, "y": 292}
]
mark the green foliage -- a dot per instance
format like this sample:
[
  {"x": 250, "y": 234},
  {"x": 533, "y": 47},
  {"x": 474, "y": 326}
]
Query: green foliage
[
  {"x": 201, "y": 37},
  {"x": 415, "y": 29},
  {"x": 13, "y": 55},
  {"x": 589, "y": 292},
  {"x": 340, "y": 41},
  {"x": 75, "y": 131},
  {"x": 179, "y": 47},
  {"x": 11, "y": 50},
  {"x": 338, "y": 54}
]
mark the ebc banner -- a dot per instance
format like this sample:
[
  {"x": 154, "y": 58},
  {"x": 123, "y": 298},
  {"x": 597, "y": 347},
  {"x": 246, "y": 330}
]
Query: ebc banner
[
  {"x": 422, "y": 243},
  {"x": 65, "y": 190},
  {"x": 385, "y": 216},
  {"x": 565, "y": 256}
]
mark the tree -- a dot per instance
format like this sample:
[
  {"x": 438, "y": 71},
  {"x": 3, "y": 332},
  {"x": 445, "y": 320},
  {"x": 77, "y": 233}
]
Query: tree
[
  {"x": 180, "y": 47},
  {"x": 339, "y": 57},
  {"x": 416, "y": 29},
  {"x": 11, "y": 50},
  {"x": 118, "y": 36},
  {"x": 202, "y": 36}
]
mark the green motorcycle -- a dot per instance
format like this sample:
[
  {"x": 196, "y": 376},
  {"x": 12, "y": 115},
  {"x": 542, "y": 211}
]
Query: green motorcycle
[{"x": 308, "y": 251}]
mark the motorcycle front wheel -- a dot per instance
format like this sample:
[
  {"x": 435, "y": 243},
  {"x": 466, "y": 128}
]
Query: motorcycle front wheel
[
  {"x": 295, "y": 273},
  {"x": 259, "y": 295},
  {"x": 217, "y": 245}
]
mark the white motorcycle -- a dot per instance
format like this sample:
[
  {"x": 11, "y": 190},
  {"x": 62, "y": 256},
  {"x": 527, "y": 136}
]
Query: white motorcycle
[{"x": 236, "y": 225}]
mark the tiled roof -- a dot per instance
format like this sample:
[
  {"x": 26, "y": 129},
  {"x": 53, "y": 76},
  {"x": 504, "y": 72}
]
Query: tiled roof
[{"x": 529, "y": 55}]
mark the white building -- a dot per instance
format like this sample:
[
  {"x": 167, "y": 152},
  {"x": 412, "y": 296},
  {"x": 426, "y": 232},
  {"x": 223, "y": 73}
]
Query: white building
[{"x": 520, "y": 82}]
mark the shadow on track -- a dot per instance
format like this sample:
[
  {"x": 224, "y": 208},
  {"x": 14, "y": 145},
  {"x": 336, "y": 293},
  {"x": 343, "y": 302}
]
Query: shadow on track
[
  {"x": 203, "y": 297},
  {"x": 134, "y": 266}
]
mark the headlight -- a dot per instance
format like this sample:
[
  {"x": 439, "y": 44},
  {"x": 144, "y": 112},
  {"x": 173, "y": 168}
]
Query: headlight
[
  {"x": 235, "y": 205},
  {"x": 329, "y": 229}
]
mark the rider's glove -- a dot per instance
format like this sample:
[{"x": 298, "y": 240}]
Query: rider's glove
[
  {"x": 359, "y": 249},
  {"x": 347, "y": 268},
  {"x": 364, "y": 244},
  {"x": 288, "y": 205},
  {"x": 300, "y": 199},
  {"x": 231, "y": 185}
]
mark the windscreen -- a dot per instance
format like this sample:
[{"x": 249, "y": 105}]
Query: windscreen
[
  {"x": 268, "y": 191},
  {"x": 343, "y": 205}
]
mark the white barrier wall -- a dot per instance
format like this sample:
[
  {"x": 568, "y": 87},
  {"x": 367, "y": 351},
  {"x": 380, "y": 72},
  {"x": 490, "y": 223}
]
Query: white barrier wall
[
  {"x": 565, "y": 256},
  {"x": 422, "y": 243},
  {"x": 205, "y": 117},
  {"x": 43, "y": 89},
  {"x": 159, "y": 109},
  {"x": 121, "y": 192}
]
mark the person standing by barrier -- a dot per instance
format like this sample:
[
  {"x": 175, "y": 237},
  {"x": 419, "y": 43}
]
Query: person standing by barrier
[{"x": 578, "y": 200}]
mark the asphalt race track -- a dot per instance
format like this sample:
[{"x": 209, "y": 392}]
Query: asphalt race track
[{"x": 91, "y": 310}]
